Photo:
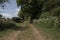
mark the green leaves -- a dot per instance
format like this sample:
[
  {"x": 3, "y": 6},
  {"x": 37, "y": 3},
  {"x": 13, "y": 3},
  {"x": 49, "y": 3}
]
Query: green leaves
[
  {"x": 34, "y": 7},
  {"x": 30, "y": 7},
  {"x": 2, "y": 3},
  {"x": 21, "y": 2},
  {"x": 56, "y": 11}
]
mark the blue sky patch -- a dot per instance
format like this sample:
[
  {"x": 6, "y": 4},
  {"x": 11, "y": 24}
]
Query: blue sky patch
[{"x": 11, "y": 9}]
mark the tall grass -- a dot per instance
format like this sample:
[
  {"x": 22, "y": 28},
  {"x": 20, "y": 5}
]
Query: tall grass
[{"x": 50, "y": 26}]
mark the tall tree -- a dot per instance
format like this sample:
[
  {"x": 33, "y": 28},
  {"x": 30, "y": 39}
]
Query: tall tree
[
  {"x": 30, "y": 8},
  {"x": 34, "y": 8}
]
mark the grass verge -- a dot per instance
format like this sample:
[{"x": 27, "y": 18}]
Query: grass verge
[{"x": 49, "y": 30}]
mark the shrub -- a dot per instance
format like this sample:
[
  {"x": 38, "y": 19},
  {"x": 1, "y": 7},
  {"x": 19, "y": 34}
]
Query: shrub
[
  {"x": 7, "y": 25},
  {"x": 17, "y": 19}
]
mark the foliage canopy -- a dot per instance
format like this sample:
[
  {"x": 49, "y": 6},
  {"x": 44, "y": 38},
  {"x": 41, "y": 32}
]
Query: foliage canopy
[{"x": 34, "y": 8}]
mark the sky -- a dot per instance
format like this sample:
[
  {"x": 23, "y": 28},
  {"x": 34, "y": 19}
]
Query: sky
[{"x": 11, "y": 9}]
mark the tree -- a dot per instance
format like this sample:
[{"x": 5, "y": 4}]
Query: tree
[
  {"x": 30, "y": 8},
  {"x": 2, "y": 3},
  {"x": 33, "y": 8}
]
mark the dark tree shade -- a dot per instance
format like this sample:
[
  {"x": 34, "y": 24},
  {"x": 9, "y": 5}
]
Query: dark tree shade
[
  {"x": 33, "y": 8},
  {"x": 17, "y": 19},
  {"x": 1, "y": 16},
  {"x": 30, "y": 8}
]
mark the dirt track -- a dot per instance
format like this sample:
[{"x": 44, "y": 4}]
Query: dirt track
[
  {"x": 35, "y": 31},
  {"x": 13, "y": 36}
]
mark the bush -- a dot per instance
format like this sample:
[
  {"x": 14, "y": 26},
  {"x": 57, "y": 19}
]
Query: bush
[
  {"x": 7, "y": 25},
  {"x": 56, "y": 11},
  {"x": 50, "y": 22},
  {"x": 17, "y": 19}
]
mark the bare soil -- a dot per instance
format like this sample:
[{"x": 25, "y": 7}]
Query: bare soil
[
  {"x": 37, "y": 34},
  {"x": 12, "y": 36}
]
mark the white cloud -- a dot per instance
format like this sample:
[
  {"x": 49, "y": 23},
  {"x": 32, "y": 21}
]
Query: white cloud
[
  {"x": 10, "y": 14},
  {"x": 17, "y": 9},
  {"x": 11, "y": 10},
  {"x": 6, "y": 15}
]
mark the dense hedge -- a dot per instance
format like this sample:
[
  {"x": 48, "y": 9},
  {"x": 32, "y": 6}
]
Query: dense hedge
[{"x": 7, "y": 25}]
